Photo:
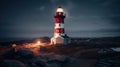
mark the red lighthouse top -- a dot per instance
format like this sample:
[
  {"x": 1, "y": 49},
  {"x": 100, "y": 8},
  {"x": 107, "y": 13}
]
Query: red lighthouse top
[{"x": 59, "y": 17}]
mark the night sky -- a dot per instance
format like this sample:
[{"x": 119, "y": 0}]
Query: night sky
[{"x": 35, "y": 18}]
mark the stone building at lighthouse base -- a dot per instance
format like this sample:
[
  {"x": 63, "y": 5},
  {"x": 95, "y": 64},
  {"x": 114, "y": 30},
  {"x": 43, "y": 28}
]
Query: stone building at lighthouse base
[{"x": 64, "y": 40}]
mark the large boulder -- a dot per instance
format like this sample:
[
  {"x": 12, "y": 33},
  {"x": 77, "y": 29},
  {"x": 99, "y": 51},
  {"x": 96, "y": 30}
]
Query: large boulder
[{"x": 24, "y": 53}]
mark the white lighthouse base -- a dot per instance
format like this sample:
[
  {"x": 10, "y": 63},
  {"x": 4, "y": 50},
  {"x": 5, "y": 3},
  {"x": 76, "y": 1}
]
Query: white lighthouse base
[
  {"x": 57, "y": 40},
  {"x": 60, "y": 40}
]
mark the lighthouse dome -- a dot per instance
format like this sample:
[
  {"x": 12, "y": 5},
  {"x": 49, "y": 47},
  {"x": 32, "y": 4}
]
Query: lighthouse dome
[{"x": 59, "y": 9}]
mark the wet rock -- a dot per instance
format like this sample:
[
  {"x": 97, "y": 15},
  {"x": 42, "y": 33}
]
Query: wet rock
[
  {"x": 73, "y": 64},
  {"x": 52, "y": 61},
  {"x": 61, "y": 58},
  {"x": 43, "y": 49},
  {"x": 24, "y": 53},
  {"x": 38, "y": 61},
  {"x": 53, "y": 64},
  {"x": 9, "y": 54},
  {"x": 39, "y": 58},
  {"x": 34, "y": 65},
  {"x": 12, "y": 63}
]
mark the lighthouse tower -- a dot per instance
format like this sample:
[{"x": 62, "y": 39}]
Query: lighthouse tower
[{"x": 59, "y": 32}]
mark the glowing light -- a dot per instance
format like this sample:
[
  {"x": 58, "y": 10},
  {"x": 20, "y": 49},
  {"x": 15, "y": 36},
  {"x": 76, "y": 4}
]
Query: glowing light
[
  {"x": 59, "y": 9},
  {"x": 38, "y": 42},
  {"x": 14, "y": 45}
]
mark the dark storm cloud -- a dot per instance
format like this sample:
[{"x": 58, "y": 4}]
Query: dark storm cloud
[{"x": 35, "y": 17}]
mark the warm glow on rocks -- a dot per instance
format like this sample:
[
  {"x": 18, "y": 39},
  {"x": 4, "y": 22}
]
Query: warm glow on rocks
[
  {"x": 14, "y": 45},
  {"x": 38, "y": 42},
  {"x": 35, "y": 44}
]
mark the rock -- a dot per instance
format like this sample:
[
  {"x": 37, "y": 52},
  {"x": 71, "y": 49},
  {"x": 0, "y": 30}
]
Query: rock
[
  {"x": 74, "y": 64},
  {"x": 38, "y": 61},
  {"x": 24, "y": 53},
  {"x": 54, "y": 58},
  {"x": 39, "y": 58},
  {"x": 12, "y": 63},
  {"x": 105, "y": 50},
  {"x": 71, "y": 60},
  {"x": 34, "y": 65},
  {"x": 60, "y": 58},
  {"x": 53, "y": 61},
  {"x": 53, "y": 64},
  {"x": 9, "y": 54},
  {"x": 42, "y": 49}
]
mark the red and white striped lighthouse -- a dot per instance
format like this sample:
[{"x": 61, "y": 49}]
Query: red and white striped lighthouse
[
  {"x": 59, "y": 32},
  {"x": 59, "y": 23}
]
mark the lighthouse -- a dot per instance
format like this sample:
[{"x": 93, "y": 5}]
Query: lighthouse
[{"x": 59, "y": 32}]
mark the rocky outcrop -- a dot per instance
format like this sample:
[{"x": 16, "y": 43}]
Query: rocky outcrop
[
  {"x": 52, "y": 61},
  {"x": 12, "y": 63},
  {"x": 24, "y": 53}
]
